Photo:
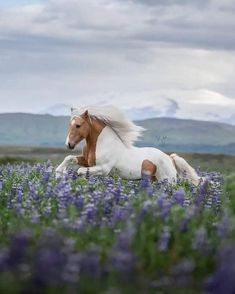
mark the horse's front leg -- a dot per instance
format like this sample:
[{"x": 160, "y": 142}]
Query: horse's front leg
[
  {"x": 70, "y": 160},
  {"x": 98, "y": 170}
]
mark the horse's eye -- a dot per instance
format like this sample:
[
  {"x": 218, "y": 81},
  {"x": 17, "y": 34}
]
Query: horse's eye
[{"x": 77, "y": 126}]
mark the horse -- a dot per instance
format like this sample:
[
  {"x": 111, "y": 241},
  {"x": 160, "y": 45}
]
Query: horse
[{"x": 109, "y": 147}]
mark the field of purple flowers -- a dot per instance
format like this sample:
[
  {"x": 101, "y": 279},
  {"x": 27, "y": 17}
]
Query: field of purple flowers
[{"x": 107, "y": 235}]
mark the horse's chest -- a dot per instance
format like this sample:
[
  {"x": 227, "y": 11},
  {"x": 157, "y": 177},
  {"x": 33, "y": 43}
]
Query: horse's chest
[
  {"x": 107, "y": 150},
  {"x": 102, "y": 157}
]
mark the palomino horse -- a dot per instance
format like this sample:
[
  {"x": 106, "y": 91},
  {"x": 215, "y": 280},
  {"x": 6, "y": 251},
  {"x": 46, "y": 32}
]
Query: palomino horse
[{"x": 109, "y": 137}]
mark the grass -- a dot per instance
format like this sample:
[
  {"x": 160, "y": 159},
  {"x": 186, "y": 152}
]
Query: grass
[{"x": 207, "y": 162}]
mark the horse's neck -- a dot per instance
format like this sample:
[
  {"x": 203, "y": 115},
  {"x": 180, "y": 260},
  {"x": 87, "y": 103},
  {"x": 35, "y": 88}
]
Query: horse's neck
[
  {"x": 96, "y": 128},
  {"x": 109, "y": 140}
]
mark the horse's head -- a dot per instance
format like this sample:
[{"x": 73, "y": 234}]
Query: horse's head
[{"x": 79, "y": 129}]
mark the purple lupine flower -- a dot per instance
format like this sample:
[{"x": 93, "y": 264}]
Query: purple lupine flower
[
  {"x": 164, "y": 239},
  {"x": 18, "y": 248},
  {"x": 63, "y": 193},
  {"x": 49, "y": 192},
  {"x": 145, "y": 207},
  {"x": 215, "y": 190},
  {"x": 13, "y": 188},
  {"x": 19, "y": 194},
  {"x": 90, "y": 211},
  {"x": 223, "y": 227},
  {"x": 125, "y": 238},
  {"x": 48, "y": 266},
  {"x": 119, "y": 213},
  {"x": 108, "y": 205},
  {"x": 46, "y": 176},
  {"x": 71, "y": 270},
  {"x": 72, "y": 174},
  {"x": 8, "y": 201},
  {"x": 4, "y": 257},
  {"x": 78, "y": 224},
  {"x": 79, "y": 202},
  {"x": 179, "y": 196},
  {"x": 189, "y": 214},
  {"x": 49, "y": 259},
  {"x": 1, "y": 183},
  {"x": 47, "y": 211},
  {"x": 202, "y": 192},
  {"x": 117, "y": 192},
  {"x": 222, "y": 281},
  {"x": 33, "y": 191},
  {"x": 164, "y": 205},
  {"x": 122, "y": 259},
  {"x": 146, "y": 184},
  {"x": 35, "y": 216},
  {"x": 90, "y": 261},
  {"x": 17, "y": 199},
  {"x": 200, "y": 241}
]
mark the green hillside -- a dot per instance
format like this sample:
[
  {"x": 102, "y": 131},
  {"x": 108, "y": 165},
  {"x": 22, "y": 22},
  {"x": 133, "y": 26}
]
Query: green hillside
[
  {"x": 31, "y": 129},
  {"x": 166, "y": 133},
  {"x": 189, "y": 135}
]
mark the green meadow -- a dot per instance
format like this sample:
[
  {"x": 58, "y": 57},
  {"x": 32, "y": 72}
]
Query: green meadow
[{"x": 206, "y": 162}]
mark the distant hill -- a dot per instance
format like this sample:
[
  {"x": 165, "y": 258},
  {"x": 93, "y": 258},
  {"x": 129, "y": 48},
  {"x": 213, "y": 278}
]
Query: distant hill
[
  {"x": 33, "y": 129},
  {"x": 172, "y": 134},
  {"x": 168, "y": 134}
]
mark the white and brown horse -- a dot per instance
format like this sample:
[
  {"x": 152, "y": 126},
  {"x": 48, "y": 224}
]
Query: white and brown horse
[{"x": 109, "y": 137}]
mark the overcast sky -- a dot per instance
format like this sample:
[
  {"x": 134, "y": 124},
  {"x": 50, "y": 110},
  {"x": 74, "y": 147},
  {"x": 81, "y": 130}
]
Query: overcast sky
[{"x": 170, "y": 57}]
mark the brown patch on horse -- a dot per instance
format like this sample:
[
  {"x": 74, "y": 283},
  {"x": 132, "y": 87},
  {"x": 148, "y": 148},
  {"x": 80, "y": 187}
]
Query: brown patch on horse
[
  {"x": 96, "y": 127},
  {"x": 149, "y": 168},
  {"x": 89, "y": 128},
  {"x": 82, "y": 159}
]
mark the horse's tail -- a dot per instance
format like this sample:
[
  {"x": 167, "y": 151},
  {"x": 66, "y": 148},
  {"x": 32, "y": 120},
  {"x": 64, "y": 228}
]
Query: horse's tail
[{"x": 184, "y": 170}]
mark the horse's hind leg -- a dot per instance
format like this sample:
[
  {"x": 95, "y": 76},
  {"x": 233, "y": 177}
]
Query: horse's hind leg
[{"x": 149, "y": 168}]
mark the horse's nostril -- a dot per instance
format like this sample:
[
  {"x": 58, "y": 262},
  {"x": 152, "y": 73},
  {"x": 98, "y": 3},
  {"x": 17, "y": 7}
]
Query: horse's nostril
[{"x": 71, "y": 146}]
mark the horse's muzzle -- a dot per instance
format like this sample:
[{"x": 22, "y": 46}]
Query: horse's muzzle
[{"x": 71, "y": 146}]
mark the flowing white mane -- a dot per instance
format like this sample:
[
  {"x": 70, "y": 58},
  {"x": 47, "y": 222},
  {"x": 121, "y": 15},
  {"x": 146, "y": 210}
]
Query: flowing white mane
[{"x": 125, "y": 129}]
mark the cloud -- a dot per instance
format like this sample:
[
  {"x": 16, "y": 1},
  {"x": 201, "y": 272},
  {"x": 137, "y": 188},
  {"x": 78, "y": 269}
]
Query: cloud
[
  {"x": 172, "y": 108},
  {"x": 206, "y": 97},
  {"x": 136, "y": 113},
  {"x": 183, "y": 23},
  {"x": 171, "y": 2},
  {"x": 170, "y": 55}
]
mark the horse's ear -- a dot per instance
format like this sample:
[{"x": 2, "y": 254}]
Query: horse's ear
[{"x": 86, "y": 114}]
